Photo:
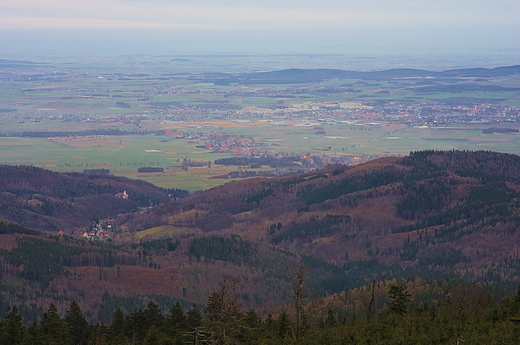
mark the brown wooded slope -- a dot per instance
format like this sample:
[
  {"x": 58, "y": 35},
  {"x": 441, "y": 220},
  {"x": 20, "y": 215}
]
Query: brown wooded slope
[
  {"x": 433, "y": 210},
  {"x": 49, "y": 201},
  {"x": 431, "y": 214}
]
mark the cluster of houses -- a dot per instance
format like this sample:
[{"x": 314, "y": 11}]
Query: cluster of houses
[
  {"x": 236, "y": 145},
  {"x": 98, "y": 230}
]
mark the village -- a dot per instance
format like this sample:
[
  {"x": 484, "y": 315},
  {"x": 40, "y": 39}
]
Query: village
[
  {"x": 98, "y": 231},
  {"x": 101, "y": 230}
]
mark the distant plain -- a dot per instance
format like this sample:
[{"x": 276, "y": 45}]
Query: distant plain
[{"x": 148, "y": 96}]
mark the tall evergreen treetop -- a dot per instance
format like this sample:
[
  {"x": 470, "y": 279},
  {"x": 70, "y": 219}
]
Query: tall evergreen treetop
[
  {"x": 77, "y": 325},
  {"x": 400, "y": 299}
]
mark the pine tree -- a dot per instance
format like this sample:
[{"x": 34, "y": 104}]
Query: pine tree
[
  {"x": 330, "y": 321},
  {"x": 52, "y": 327},
  {"x": 117, "y": 328},
  {"x": 400, "y": 299},
  {"x": 176, "y": 323},
  {"x": 176, "y": 320},
  {"x": 193, "y": 318},
  {"x": 516, "y": 302},
  {"x": 153, "y": 316},
  {"x": 77, "y": 325},
  {"x": 33, "y": 335},
  {"x": 13, "y": 329},
  {"x": 137, "y": 325},
  {"x": 283, "y": 324}
]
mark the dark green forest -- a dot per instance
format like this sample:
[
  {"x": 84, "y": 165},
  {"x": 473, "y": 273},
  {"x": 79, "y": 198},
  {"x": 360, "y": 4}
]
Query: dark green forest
[{"x": 467, "y": 313}]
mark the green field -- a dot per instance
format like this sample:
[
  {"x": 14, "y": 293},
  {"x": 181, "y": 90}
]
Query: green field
[
  {"x": 123, "y": 155},
  {"x": 143, "y": 95}
]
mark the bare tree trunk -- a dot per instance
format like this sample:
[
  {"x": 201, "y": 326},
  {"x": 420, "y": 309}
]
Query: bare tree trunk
[{"x": 298, "y": 295}]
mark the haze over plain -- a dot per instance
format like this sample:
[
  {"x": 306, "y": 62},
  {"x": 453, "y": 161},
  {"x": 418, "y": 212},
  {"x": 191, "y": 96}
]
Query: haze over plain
[{"x": 31, "y": 29}]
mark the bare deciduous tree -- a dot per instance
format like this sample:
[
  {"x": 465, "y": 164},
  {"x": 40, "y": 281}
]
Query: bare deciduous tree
[{"x": 299, "y": 293}]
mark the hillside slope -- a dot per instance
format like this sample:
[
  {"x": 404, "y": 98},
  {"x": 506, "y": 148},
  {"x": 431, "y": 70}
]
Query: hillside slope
[
  {"x": 430, "y": 211},
  {"x": 429, "y": 215},
  {"x": 49, "y": 201}
]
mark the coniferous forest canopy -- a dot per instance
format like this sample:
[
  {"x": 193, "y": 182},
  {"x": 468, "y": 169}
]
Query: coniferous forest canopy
[{"x": 388, "y": 313}]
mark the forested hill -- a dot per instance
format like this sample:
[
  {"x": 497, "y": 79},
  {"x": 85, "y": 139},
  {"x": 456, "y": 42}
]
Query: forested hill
[
  {"x": 49, "y": 201},
  {"x": 430, "y": 212},
  {"x": 432, "y": 216}
]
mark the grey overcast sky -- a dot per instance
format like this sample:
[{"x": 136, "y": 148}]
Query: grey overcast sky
[{"x": 253, "y": 26}]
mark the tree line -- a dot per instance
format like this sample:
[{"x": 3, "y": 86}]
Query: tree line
[{"x": 468, "y": 313}]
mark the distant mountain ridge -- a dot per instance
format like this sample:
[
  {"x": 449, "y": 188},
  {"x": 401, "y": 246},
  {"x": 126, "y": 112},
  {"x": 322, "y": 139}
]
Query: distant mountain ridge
[
  {"x": 21, "y": 64},
  {"x": 289, "y": 76}
]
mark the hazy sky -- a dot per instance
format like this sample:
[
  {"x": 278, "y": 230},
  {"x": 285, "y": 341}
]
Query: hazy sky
[{"x": 252, "y": 26}]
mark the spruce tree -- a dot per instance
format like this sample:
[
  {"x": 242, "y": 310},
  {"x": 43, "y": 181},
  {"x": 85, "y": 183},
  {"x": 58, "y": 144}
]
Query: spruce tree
[
  {"x": 283, "y": 324},
  {"x": 77, "y": 325},
  {"x": 193, "y": 318},
  {"x": 13, "y": 329},
  {"x": 153, "y": 316},
  {"x": 400, "y": 299},
  {"x": 137, "y": 325},
  {"x": 52, "y": 327},
  {"x": 117, "y": 328},
  {"x": 330, "y": 321},
  {"x": 176, "y": 320}
]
